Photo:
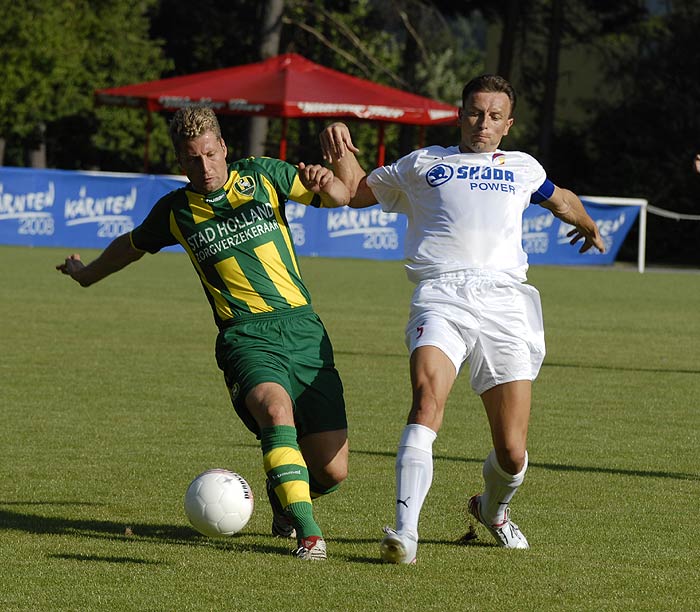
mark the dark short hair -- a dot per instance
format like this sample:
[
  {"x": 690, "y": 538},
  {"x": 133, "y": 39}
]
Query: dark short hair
[{"x": 490, "y": 83}]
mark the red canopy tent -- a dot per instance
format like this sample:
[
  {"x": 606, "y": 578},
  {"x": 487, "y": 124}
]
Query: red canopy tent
[{"x": 285, "y": 86}]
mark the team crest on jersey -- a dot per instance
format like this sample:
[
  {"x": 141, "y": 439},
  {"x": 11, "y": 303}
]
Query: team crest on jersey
[
  {"x": 439, "y": 174},
  {"x": 245, "y": 185},
  {"x": 498, "y": 159}
]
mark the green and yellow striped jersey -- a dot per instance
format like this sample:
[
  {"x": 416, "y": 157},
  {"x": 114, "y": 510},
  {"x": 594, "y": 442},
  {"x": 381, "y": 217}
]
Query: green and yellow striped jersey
[{"x": 237, "y": 238}]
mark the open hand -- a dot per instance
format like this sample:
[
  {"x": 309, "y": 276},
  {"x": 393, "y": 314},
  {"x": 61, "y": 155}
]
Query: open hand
[
  {"x": 590, "y": 239},
  {"x": 336, "y": 141}
]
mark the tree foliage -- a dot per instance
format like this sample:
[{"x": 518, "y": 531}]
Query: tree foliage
[
  {"x": 641, "y": 143},
  {"x": 405, "y": 44},
  {"x": 54, "y": 55},
  {"x": 213, "y": 35},
  {"x": 41, "y": 65},
  {"x": 627, "y": 129}
]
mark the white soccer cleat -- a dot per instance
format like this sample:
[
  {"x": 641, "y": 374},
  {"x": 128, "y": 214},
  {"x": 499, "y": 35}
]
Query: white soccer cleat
[
  {"x": 312, "y": 548},
  {"x": 398, "y": 547},
  {"x": 507, "y": 534}
]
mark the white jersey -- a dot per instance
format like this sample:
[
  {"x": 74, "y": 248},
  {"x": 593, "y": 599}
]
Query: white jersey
[{"x": 465, "y": 210}]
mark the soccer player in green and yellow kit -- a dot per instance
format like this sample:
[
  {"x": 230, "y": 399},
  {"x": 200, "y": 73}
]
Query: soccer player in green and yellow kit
[{"x": 272, "y": 347}]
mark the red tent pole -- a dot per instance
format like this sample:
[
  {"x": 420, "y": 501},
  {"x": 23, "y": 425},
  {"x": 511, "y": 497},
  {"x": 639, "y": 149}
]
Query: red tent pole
[
  {"x": 421, "y": 136},
  {"x": 283, "y": 140},
  {"x": 381, "y": 149}
]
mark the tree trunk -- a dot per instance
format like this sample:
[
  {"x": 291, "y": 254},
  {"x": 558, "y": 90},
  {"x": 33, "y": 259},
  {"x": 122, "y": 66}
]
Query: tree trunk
[
  {"x": 506, "y": 49},
  {"x": 37, "y": 153},
  {"x": 551, "y": 82},
  {"x": 409, "y": 60},
  {"x": 2, "y": 151},
  {"x": 269, "y": 47}
]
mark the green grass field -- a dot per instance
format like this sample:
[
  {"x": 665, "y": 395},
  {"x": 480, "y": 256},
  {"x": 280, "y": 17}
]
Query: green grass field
[{"x": 111, "y": 403}]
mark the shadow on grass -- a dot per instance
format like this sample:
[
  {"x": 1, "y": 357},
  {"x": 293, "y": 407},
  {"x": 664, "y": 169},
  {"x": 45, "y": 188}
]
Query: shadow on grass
[
  {"x": 167, "y": 534},
  {"x": 624, "y": 368},
  {"x": 35, "y": 523},
  {"x": 556, "y": 467},
  {"x": 546, "y": 364},
  {"x": 49, "y": 503},
  {"x": 368, "y": 560},
  {"x": 470, "y": 539},
  {"x": 124, "y": 532},
  {"x": 104, "y": 559}
]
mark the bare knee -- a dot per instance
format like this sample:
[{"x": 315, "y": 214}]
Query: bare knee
[
  {"x": 426, "y": 409},
  {"x": 326, "y": 456},
  {"x": 270, "y": 405},
  {"x": 511, "y": 458},
  {"x": 333, "y": 474},
  {"x": 432, "y": 376}
]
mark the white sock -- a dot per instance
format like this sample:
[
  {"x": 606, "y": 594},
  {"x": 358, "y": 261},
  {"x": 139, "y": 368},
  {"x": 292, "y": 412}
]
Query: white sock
[
  {"x": 500, "y": 486},
  {"x": 414, "y": 475}
]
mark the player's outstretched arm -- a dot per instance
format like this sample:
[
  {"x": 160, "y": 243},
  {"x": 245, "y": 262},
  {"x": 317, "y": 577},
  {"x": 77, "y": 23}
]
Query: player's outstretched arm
[
  {"x": 118, "y": 254},
  {"x": 567, "y": 206},
  {"x": 338, "y": 149},
  {"x": 321, "y": 180}
]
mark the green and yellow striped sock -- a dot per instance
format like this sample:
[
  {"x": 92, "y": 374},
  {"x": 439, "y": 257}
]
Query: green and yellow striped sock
[{"x": 286, "y": 470}]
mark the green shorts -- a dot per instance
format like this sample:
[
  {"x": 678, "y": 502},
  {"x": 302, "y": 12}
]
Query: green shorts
[{"x": 292, "y": 349}]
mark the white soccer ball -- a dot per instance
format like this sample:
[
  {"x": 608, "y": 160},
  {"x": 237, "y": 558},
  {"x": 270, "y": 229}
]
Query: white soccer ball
[{"x": 219, "y": 503}]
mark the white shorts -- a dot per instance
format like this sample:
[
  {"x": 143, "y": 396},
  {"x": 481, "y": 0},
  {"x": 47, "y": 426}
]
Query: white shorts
[{"x": 489, "y": 320}]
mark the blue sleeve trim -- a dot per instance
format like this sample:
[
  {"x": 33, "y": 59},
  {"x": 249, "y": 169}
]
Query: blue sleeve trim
[{"x": 544, "y": 192}]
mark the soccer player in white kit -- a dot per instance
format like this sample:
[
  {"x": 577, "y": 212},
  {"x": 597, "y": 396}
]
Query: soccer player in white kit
[{"x": 464, "y": 252}]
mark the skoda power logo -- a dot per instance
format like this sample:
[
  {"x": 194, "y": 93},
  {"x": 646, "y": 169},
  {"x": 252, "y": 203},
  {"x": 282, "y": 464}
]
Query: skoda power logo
[{"x": 439, "y": 174}]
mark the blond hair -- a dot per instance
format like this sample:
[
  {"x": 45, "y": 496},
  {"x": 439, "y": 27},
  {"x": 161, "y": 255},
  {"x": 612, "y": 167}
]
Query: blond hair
[{"x": 190, "y": 122}]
